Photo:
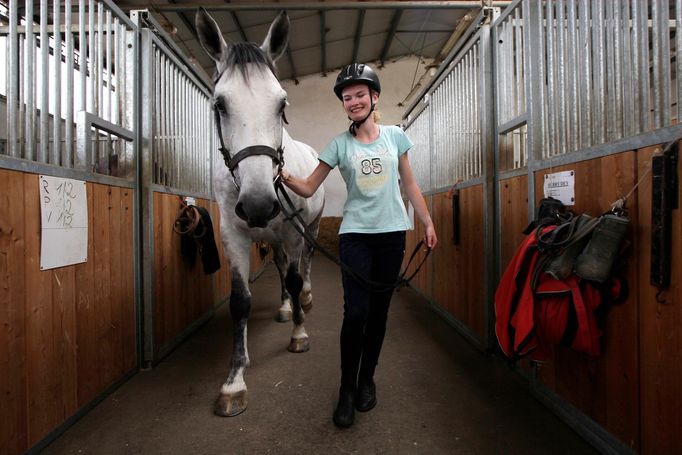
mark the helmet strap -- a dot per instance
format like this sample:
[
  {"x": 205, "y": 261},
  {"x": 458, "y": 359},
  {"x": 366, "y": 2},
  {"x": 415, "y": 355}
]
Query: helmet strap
[{"x": 355, "y": 124}]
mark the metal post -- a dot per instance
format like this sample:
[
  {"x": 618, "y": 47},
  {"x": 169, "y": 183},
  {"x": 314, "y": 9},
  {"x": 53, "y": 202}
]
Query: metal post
[
  {"x": 29, "y": 86},
  {"x": 57, "y": 59},
  {"x": 485, "y": 108},
  {"x": 534, "y": 80},
  {"x": 145, "y": 176},
  {"x": 45, "y": 91},
  {"x": 13, "y": 76},
  {"x": 67, "y": 159}
]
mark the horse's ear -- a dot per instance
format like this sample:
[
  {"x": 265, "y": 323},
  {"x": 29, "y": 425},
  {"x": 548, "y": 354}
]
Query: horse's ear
[
  {"x": 275, "y": 43},
  {"x": 210, "y": 37}
]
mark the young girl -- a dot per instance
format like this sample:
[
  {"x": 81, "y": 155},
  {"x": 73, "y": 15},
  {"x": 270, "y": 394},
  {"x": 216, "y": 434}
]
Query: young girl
[{"x": 373, "y": 162}]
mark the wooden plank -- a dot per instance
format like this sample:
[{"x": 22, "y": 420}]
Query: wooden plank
[
  {"x": 86, "y": 329},
  {"x": 102, "y": 289},
  {"x": 13, "y": 405},
  {"x": 64, "y": 341},
  {"x": 463, "y": 285},
  {"x": 443, "y": 257},
  {"x": 116, "y": 311},
  {"x": 41, "y": 362},
  {"x": 619, "y": 343},
  {"x": 159, "y": 269},
  {"x": 127, "y": 252},
  {"x": 660, "y": 340},
  {"x": 173, "y": 322},
  {"x": 475, "y": 274},
  {"x": 513, "y": 216}
]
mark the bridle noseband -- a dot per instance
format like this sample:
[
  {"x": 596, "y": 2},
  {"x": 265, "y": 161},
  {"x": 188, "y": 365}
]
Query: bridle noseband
[{"x": 232, "y": 161}]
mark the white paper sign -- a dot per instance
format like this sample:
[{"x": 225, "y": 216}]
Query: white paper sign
[
  {"x": 561, "y": 185},
  {"x": 64, "y": 222}
]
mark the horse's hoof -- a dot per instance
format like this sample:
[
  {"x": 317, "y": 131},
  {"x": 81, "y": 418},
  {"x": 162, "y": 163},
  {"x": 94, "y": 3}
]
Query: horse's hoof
[
  {"x": 283, "y": 316},
  {"x": 299, "y": 345},
  {"x": 230, "y": 405}
]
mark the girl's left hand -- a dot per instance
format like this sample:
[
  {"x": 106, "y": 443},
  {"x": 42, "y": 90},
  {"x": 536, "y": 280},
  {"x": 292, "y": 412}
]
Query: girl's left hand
[{"x": 430, "y": 239}]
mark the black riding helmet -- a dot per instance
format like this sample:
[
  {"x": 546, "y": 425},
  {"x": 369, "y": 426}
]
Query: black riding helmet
[{"x": 356, "y": 73}]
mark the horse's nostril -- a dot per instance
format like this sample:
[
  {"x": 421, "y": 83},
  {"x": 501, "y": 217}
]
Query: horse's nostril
[
  {"x": 239, "y": 210},
  {"x": 275, "y": 210}
]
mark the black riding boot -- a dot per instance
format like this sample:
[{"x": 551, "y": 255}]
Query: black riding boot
[
  {"x": 351, "y": 349},
  {"x": 366, "y": 396},
  {"x": 344, "y": 415}
]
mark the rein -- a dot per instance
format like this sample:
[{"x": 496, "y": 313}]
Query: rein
[{"x": 292, "y": 215}]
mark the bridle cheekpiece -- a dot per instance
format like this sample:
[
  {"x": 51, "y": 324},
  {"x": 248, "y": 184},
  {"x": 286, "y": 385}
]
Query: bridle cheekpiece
[{"x": 233, "y": 161}]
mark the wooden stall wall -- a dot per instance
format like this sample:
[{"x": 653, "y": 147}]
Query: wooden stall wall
[
  {"x": 453, "y": 276},
  {"x": 513, "y": 197},
  {"x": 66, "y": 334},
  {"x": 182, "y": 291},
  {"x": 634, "y": 389},
  {"x": 604, "y": 387},
  {"x": 660, "y": 330}
]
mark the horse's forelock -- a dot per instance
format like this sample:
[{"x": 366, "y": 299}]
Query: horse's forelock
[{"x": 241, "y": 53}]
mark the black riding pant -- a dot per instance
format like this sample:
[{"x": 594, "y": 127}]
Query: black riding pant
[{"x": 377, "y": 257}]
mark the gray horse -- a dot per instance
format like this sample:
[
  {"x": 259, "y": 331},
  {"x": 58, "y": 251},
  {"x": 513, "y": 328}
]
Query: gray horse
[{"x": 249, "y": 103}]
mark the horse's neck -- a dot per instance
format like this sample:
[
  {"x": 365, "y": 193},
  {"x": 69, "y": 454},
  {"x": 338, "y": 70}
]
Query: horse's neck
[{"x": 288, "y": 142}]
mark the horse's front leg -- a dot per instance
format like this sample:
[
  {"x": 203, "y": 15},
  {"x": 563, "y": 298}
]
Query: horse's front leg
[
  {"x": 232, "y": 399},
  {"x": 294, "y": 284},
  {"x": 284, "y": 313},
  {"x": 306, "y": 261}
]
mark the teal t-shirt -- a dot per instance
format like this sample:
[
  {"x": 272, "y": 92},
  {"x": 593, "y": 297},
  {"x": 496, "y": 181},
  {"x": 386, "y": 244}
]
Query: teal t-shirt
[{"x": 371, "y": 174}]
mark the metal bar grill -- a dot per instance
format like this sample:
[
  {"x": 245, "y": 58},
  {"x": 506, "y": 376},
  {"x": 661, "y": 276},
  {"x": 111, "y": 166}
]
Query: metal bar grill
[
  {"x": 53, "y": 77},
  {"x": 420, "y": 155},
  {"x": 609, "y": 68},
  {"x": 456, "y": 133},
  {"x": 182, "y": 126}
]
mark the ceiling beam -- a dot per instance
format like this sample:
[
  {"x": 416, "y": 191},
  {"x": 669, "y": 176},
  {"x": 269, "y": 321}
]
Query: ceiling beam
[
  {"x": 323, "y": 41},
  {"x": 358, "y": 34},
  {"x": 323, "y": 6},
  {"x": 391, "y": 34},
  {"x": 235, "y": 19},
  {"x": 185, "y": 20}
]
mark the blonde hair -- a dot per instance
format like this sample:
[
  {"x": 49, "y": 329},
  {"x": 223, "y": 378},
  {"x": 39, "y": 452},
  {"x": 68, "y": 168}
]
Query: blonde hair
[{"x": 376, "y": 114}]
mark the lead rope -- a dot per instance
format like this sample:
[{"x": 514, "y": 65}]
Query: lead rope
[
  {"x": 619, "y": 205},
  {"x": 297, "y": 222}
]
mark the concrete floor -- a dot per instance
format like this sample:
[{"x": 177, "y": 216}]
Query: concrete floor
[{"x": 436, "y": 393}]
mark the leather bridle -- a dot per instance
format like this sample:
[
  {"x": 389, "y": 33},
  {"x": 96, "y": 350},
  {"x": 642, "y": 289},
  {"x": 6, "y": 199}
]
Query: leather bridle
[{"x": 233, "y": 161}]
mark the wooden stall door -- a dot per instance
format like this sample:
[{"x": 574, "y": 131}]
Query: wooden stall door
[
  {"x": 606, "y": 387},
  {"x": 66, "y": 334}
]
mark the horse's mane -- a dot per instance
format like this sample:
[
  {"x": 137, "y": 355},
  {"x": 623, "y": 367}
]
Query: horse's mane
[{"x": 240, "y": 53}]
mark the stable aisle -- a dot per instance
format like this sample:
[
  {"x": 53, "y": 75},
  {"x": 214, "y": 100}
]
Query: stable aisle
[{"x": 436, "y": 393}]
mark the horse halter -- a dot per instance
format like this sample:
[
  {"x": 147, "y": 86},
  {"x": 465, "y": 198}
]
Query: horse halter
[{"x": 232, "y": 161}]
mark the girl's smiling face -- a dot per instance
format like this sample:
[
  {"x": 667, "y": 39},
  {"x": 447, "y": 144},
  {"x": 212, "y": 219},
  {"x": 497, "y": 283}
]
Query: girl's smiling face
[{"x": 357, "y": 101}]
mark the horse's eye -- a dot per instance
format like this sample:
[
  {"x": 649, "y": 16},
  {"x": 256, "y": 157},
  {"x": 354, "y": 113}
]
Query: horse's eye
[
  {"x": 219, "y": 105},
  {"x": 283, "y": 106}
]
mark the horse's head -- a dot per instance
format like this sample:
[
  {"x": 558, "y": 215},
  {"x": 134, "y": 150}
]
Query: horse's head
[{"x": 249, "y": 103}]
